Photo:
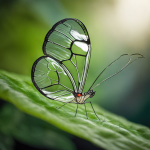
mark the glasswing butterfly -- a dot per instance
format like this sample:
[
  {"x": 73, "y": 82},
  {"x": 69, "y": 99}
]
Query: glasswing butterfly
[{"x": 61, "y": 73}]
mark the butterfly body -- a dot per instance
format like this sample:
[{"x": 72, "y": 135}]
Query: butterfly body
[{"x": 80, "y": 98}]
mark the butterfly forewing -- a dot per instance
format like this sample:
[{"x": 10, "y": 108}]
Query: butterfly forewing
[
  {"x": 69, "y": 44},
  {"x": 51, "y": 80}
]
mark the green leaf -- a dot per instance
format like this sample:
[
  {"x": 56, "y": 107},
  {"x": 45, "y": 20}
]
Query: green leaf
[
  {"x": 112, "y": 133},
  {"x": 6, "y": 142},
  {"x": 30, "y": 130}
]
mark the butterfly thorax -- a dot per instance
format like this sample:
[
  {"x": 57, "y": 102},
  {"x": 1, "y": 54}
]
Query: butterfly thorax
[{"x": 82, "y": 97}]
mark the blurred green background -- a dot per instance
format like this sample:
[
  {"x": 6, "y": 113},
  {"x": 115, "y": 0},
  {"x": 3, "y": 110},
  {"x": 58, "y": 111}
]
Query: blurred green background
[{"x": 115, "y": 27}]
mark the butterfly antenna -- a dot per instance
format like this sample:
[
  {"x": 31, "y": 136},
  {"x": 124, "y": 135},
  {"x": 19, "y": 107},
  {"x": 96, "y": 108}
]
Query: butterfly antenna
[{"x": 129, "y": 62}]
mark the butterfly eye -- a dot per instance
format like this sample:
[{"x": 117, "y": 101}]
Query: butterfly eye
[{"x": 79, "y": 94}]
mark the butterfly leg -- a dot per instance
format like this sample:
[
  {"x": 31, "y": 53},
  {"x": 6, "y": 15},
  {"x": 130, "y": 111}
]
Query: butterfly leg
[
  {"x": 76, "y": 110},
  {"x": 85, "y": 111},
  {"x": 61, "y": 106},
  {"x": 65, "y": 104},
  {"x": 94, "y": 111}
]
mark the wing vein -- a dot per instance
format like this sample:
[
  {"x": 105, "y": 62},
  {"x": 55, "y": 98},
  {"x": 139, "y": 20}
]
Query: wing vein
[
  {"x": 40, "y": 75},
  {"x": 65, "y": 87},
  {"x": 77, "y": 70},
  {"x": 40, "y": 71},
  {"x": 61, "y": 95},
  {"x": 57, "y": 44},
  {"x": 63, "y": 34},
  {"x": 58, "y": 91}
]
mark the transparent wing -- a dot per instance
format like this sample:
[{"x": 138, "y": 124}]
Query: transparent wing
[
  {"x": 68, "y": 43},
  {"x": 51, "y": 80},
  {"x": 130, "y": 60}
]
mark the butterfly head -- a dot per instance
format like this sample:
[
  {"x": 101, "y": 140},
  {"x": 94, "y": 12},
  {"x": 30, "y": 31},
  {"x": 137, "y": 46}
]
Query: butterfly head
[{"x": 91, "y": 93}]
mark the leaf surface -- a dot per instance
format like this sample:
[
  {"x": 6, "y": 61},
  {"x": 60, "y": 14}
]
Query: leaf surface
[{"x": 111, "y": 133}]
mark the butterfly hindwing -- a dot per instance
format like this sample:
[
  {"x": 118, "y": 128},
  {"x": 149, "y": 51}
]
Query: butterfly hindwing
[{"x": 51, "y": 80}]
